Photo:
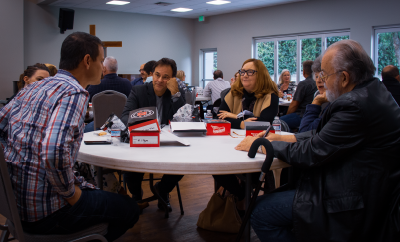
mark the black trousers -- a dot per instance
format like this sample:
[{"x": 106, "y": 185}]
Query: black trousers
[{"x": 134, "y": 182}]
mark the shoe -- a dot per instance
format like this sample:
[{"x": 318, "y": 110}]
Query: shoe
[
  {"x": 142, "y": 206},
  {"x": 164, "y": 196}
]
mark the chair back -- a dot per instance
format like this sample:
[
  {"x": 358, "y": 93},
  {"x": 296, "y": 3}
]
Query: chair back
[
  {"x": 188, "y": 97},
  {"x": 284, "y": 126},
  {"x": 225, "y": 92},
  {"x": 8, "y": 206},
  {"x": 106, "y": 102}
]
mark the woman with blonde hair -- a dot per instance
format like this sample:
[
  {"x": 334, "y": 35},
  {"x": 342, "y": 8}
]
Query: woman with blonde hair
[
  {"x": 52, "y": 68},
  {"x": 181, "y": 75},
  {"x": 255, "y": 92},
  {"x": 284, "y": 81}
]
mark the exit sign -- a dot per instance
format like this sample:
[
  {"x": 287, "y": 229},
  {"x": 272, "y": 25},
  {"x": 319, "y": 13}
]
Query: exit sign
[{"x": 201, "y": 18}]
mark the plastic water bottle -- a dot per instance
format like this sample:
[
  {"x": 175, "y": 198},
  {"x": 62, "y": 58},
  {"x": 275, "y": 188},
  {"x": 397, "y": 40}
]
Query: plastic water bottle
[
  {"x": 277, "y": 125},
  {"x": 115, "y": 136},
  {"x": 208, "y": 115},
  {"x": 284, "y": 96}
]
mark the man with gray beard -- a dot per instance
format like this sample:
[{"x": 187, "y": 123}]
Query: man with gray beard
[{"x": 349, "y": 183}]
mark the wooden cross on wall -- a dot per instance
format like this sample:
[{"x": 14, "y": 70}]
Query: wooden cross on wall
[{"x": 105, "y": 43}]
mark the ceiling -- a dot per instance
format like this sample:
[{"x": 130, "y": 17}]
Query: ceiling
[{"x": 200, "y": 7}]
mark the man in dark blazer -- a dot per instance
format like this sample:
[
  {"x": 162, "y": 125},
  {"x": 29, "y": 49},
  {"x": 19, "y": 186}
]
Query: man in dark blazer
[
  {"x": 111, "y": 81},
  {"x": 164, "y": 94},
  {"x": 391, "y": 79}
]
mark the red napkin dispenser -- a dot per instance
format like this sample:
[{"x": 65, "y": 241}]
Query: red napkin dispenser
[
  {"x": 218, "y": 127},
  {"x": 146, "y": 134}
]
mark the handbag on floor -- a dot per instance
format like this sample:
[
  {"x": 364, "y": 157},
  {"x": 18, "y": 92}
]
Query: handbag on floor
[{"x": 220, "y": 215}]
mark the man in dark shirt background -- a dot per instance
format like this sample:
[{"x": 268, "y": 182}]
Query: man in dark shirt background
[
  {"x": 304, "y": 95},
  {"x": 110, "y": 81},
  {"x": 391, "y": 79}
]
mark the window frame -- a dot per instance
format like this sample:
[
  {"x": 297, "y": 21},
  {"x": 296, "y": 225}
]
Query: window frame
[
  {"x": 374, "y": 52},
  {"x": 298, "y": 37},
  {"x": 203, "y": 64}
]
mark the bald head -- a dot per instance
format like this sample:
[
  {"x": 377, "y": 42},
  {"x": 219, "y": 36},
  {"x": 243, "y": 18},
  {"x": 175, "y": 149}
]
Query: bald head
[
  {"x": 390, "y": 71},
  {"x": 351, "y": 57},
  {"x": 218, "y": 74},
  {"x": 110, "y": 65}
]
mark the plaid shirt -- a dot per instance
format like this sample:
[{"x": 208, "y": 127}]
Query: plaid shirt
[{"x": 41, "y": 130}]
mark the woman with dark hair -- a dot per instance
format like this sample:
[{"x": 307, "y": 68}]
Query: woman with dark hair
[
  {"x": 255, "y": 92},
  {"x": 32, "y": 74}
]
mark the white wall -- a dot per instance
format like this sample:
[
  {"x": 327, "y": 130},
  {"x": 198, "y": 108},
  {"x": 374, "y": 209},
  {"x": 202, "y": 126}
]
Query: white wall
[
  {"x": 232, "y": 33},
  {"x": 144, "y": 37},
  {"x": 11, "y": 44}
]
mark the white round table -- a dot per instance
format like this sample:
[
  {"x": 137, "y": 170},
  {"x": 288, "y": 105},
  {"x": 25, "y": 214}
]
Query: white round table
[
  {"x": 284, "y": 102},
  {"x": 202, "y": 98},
  {"x": 206, "y": 155}
]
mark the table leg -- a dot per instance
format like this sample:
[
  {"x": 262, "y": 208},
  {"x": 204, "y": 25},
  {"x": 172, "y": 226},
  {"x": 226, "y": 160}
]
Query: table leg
[
  {"x": 99, "y": 177},
  {"x": 248, "y": 199}
]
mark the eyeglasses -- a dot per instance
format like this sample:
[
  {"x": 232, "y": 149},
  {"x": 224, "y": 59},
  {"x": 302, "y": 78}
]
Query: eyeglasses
[
  {"x": 249, "y": 72},
  {"x": 325, "y": 77},
  {"x": 140, "y": 70}
]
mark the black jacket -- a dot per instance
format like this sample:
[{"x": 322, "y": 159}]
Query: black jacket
[
  {"x": 350, "y": 169},
  {"x": 111, "y": 82},
  {"x": 393, "y": 86},
  {"x": 142, "y": 96}
]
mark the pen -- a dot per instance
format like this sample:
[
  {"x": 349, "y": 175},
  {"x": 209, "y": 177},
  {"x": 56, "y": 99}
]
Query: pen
[{"x": 266, "y": 132}]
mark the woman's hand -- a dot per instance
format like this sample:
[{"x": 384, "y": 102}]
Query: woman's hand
[
  {"x": 225, "y": 114},
  {"x": 320, "y": 99},
  {"x": 280, "y": 94},
  {"x": 247, "y": 120}
]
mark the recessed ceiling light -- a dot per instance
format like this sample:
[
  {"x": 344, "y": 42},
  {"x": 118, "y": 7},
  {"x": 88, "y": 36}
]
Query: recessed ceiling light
[
  {"x": 219, "y": 2},
  {"x": 181, "y": 10},
  {"x": 115, "y": 2}
]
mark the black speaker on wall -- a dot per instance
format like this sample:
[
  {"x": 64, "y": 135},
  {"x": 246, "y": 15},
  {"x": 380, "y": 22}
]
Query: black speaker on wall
[{"x": 66, "y": 19}]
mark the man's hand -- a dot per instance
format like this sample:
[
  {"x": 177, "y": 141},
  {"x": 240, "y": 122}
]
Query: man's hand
[
  {"x": 225, "y": 114},
  {"x": 247, "y": 120},
  {"x": 172, "y": 85},
  {"x": 320, "y": 99},
  {"x": 246, "y": 143},
  {"x": 72, "y": 200}
]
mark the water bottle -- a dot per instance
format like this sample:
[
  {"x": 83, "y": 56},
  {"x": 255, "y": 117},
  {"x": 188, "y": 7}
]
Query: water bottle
[
  {"x": 277, "y": 125},
  {"x": 115, "y": 136},
  {"x": 284, "y": 96},
  {"x": 208, "y": 115}
]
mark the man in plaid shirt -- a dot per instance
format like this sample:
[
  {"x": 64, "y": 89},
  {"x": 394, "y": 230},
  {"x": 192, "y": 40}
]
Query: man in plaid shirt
[{"x": 41, "y": 130}]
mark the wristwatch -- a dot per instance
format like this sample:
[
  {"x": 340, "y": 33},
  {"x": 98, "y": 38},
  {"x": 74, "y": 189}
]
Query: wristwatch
[{"x": 176, "y": 95}]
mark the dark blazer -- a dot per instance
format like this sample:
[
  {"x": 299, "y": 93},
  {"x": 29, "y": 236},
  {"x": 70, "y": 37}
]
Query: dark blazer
[
  {"x": 111, "y": 82},
  {"x": 393, "y": 86},
  {"x": 137, "y": 81},
  {"x": 143, "y": 96},
  {"x": 350, "y": 169}
]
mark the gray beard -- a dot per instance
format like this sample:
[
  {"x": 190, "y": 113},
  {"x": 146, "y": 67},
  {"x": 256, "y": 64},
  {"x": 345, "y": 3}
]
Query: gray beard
[{"x": 334, "y": 94}]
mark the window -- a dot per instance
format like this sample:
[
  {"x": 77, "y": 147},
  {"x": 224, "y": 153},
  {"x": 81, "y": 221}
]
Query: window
[
  {"x": 386, "y": 48},
  {"x": 209, "y": 65},
  {"x": 288, "y": 52}
]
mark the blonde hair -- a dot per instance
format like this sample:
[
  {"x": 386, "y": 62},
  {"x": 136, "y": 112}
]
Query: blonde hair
[
  {"x": 280, "y": 77},
  {"x": 180, "y": 74},
  {"x": 52, "y": 68},
  {"x": 264, "y": 83}
]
